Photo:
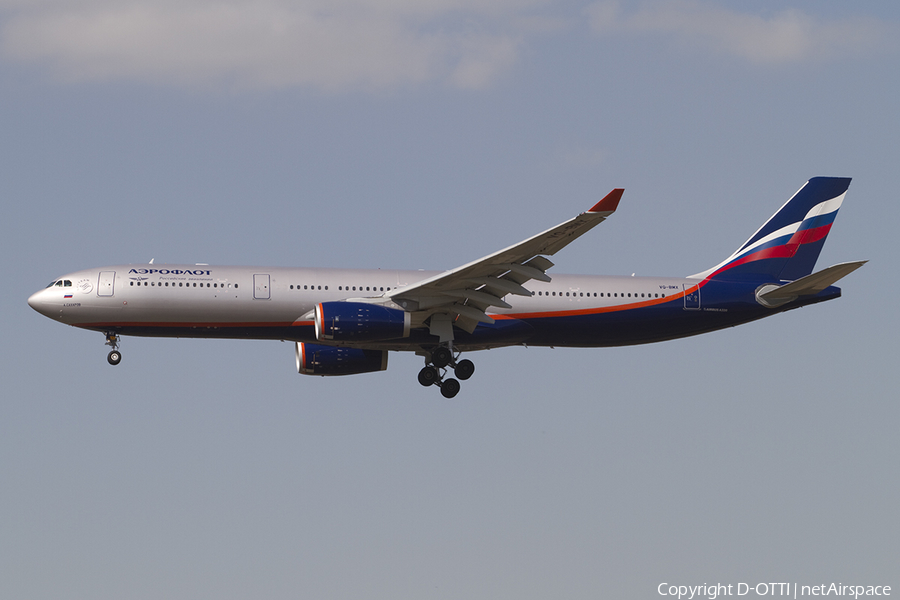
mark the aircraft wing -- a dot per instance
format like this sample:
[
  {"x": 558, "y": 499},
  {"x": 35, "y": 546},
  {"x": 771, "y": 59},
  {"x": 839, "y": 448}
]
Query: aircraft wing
[{"x": 466, "y": 292}]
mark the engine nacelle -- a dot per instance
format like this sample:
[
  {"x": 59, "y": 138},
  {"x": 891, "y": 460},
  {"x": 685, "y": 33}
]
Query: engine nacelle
[
  {"x": 360, "y": 322},
  {"x": 313, "y": 359}
]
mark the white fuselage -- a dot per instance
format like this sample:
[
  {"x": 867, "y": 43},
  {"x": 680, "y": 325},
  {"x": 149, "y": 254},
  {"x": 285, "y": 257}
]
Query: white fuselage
[{"x": 208, "y": 301}]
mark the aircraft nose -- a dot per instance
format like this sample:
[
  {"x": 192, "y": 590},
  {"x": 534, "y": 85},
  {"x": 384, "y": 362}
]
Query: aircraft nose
[{"x": 38, "y": 302}]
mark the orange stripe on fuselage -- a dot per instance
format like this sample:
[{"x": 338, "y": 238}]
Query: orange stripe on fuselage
[{"x": 594, "y": 311}]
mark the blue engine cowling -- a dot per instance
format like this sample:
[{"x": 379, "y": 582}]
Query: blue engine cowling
[
  {"x": 313, "y": 359},
  {"x": 360, "y": 322}
]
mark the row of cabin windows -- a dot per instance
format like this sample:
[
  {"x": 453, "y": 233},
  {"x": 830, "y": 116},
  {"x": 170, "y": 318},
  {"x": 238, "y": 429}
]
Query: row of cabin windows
[
  {"x": 376, "y": 289},
  {"x": 182, "y": 284},
  {"x": 347, "y": 288},
  {"x": 608, "y": 295}
]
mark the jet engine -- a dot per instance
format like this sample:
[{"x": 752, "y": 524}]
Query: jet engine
[
  {"x": 360, "y": 322},
  {"x": 313, "y": 359}
]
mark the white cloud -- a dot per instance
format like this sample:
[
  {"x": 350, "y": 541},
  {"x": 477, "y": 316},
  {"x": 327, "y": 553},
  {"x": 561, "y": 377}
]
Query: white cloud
[
  {"x": 326, "y": 44},
  {"x": 370, "y": 44},
  {"x": 787, "y": 36}
]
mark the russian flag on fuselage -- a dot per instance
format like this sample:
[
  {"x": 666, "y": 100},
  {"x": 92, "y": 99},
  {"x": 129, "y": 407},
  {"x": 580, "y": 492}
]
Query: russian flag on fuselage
[{"x": 787, "y": 246}]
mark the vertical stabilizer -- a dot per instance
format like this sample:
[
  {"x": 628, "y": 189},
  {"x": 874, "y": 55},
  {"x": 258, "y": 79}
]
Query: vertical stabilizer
[{"x": 787, "y": 246}]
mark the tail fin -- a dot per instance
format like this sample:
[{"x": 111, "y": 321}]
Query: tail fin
[{"x": 788, "y": 245}]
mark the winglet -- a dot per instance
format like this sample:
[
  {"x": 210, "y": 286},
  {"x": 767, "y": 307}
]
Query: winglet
[{"x": 609, "y": 203}]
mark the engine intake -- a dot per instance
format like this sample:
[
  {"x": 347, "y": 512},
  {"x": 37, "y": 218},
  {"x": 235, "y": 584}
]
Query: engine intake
[
  {"x": 360, "y": 322},
  {"x": 314, "y": 359}
]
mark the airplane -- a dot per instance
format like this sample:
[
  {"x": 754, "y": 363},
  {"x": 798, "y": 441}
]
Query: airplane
[{"x": 345, "y": 321}]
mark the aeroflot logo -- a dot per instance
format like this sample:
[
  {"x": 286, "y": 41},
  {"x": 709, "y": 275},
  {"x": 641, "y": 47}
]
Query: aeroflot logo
[{"x": 171, "y": 271}]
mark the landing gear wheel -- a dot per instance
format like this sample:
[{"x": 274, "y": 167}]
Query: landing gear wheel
[
  {"x": 464, "y": 369},
  {"x": 114, "y": 357},
  {"x": 449, "y": 388},
  {"x": 428, "y": 376},
  {"x": 441, "y": 356}
]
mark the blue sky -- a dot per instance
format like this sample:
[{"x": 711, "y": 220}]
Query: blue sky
[{"x": 403, "y": 134}]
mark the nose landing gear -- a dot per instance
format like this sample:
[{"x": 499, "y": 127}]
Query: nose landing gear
[
  {"x": 114, "y": 357},
  {"x": 439, "y": 359}
]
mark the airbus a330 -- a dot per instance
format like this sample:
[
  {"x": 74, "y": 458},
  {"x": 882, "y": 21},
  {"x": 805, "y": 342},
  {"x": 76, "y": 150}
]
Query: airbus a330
[{"x": 345, "y": 321}]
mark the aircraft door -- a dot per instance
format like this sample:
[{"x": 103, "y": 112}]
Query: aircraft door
[
  {"x": 106, "y": 283},
  {"x": 261, "y": 286},
  {"x": 691, "y": 297}
]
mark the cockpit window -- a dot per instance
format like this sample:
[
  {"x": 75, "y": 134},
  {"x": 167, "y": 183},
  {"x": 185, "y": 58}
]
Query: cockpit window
[
  {"x": 67, "y": 283},
  {"x": 51, "y": 284}
]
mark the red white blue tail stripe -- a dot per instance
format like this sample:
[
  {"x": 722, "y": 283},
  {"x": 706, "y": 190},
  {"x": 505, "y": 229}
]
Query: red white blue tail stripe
[{"x": 787, "y": 246}]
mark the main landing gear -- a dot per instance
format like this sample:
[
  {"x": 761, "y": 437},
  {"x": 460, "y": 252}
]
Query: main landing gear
[
  {"x": 114, "y": 357},
  {"x": 441, "y": 358}
]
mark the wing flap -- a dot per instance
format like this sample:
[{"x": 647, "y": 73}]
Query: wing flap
[{"x": 477, "y": 295}]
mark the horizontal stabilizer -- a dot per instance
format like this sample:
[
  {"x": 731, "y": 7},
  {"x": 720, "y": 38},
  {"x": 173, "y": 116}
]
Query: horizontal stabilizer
[{"x": 807, "y": 286}]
